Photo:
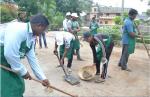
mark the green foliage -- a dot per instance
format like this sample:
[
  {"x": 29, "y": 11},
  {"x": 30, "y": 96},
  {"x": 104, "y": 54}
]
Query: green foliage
[
  {"x": 73, "y": 5},
  {"x": 114, "y": 31},
  {"x": 148, "y": 12},
  {"x": 57, "y": 21},
  {"x": 48, "y": 8},
  {"x": 137, "y": 22},
  {"x": 29, "y": 6},
  {"x": 8, "y": 13},
  {"x": 118, "y": 20}
]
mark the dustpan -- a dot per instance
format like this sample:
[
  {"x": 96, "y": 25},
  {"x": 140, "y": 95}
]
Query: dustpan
[
  {"x": 69, "y": 78},
  {"x": 87, "y": 72}
]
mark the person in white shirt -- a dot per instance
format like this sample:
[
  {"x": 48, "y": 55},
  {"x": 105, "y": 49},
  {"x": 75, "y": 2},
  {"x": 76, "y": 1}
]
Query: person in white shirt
[
  {"x": 67, "y": 22},
  {"x": 65, "y": 42},
  {"x": 17, "y": 41}
]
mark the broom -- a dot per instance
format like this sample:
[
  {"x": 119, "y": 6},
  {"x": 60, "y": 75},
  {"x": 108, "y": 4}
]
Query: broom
[{"x": 143, "y": 41}]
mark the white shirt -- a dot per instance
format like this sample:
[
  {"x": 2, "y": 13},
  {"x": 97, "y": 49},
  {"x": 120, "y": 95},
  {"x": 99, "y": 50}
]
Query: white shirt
[
  {"x": 11, "y": 36},
  {"x": 66, "y": 24},
  {"x": 64, "y": 38}
]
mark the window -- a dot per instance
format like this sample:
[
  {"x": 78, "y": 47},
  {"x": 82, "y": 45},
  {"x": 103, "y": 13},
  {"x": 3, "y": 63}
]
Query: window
[
  {"x": 95, "y": 10},
  {"x": 101, "y": 22},
  {"x": 117, "y": 14},
  {"x": 106, "y": 22},
  {"x": 107, "y": 14}
]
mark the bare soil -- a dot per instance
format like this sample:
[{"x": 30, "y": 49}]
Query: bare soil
[{"x": 120, "y": 83}]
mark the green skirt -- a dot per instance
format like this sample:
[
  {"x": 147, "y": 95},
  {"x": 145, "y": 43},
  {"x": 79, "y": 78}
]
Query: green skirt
[
  {"x": 70, "y": 51},
  {"x": 12, "y": 85},
  {"x": 76, "y": 44}
]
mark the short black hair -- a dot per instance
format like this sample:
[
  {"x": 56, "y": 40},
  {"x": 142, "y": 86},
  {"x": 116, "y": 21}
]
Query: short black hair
[
  {"x": 86, "y": 35},
  {"x": 133, "y": 12},
  {"x": 39, "y": 19}
]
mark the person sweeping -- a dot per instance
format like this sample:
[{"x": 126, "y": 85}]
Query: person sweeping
[
  {"x": 128, "y": 39},
  {"x": 65, "y": 42},
  {"x": 101, "y": 46},
  {"x": 16, "y": 42}
]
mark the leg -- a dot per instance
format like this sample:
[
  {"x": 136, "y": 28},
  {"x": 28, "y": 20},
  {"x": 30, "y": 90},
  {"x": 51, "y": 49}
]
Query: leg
[
  {"x": 124, "y": 57},
  {"x": 78, "y": 54},
  {"x": 40, "y": 41},
  {"x": 98, "y": 67},
  {"x": 44, "y": 39},
  {"x": 105, "y": 66}
]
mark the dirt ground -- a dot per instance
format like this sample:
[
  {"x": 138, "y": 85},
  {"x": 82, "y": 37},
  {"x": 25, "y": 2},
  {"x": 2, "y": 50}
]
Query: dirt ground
[{"x": 120, "y": 83}]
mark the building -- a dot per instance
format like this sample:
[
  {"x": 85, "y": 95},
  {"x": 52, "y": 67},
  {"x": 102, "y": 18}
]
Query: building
[{"x": 105, "y": 15}]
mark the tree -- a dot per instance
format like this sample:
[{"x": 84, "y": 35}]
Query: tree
[
  {"x": 47, "y": 7},
  {"x": 73, "y": 5},
  {"x": 118, "y": 20},
  {"x": 29, "y": 6},
  {"x": 8, "y": 12}
]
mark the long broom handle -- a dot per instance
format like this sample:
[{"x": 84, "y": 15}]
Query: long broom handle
[
  {"x": 8, "y": 69},
  {"x": 61, "y": 65},
  {"x": 143, "y": 41}
]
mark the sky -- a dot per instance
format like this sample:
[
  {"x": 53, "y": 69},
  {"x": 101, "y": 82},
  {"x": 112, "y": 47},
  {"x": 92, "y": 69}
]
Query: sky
[{"x": 136, "y": 4}]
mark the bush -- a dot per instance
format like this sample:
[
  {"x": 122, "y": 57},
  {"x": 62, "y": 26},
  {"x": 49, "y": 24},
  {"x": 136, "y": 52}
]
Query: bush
[
  {"x": 8, "y": 13},
  {"x": 113, "y": 31},
  {"x": 57, "y": 21}
]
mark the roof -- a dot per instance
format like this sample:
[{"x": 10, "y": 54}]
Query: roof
[{"x": 105, "y": 9}]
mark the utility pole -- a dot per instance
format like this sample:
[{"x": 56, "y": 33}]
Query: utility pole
[{"x": 122, "y": 10}]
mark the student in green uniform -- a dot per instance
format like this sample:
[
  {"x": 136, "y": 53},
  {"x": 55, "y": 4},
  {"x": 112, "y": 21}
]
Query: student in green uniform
[
  {"x": 65, "y": 42},
  {"x": 128, "y": 39},
  {"x": 102, "y": 46},
  {"x": 93, "y": 26},
  {"x": 74, "y": 30},
  {"x": 17, "y": 41}
]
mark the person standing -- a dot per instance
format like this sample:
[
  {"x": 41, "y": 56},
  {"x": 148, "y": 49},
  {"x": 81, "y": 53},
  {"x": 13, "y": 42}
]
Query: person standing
[
  {"x": 93, "y": 26},
  {"x": 74, "y": 30},
  {"x": 128, "y": 39},
  {"x": 66, "y": 21},
  {"x": 102, "y": 46},
  {"x": 42, "y": 35},
  {"x": 16, "y": 42}
]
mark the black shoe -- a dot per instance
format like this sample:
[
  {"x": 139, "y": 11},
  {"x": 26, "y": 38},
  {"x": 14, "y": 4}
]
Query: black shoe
[
  {"x": 79, "y": 59},
  {"x": 119, "y": 64},
  {"x": 126, "y": 69}
]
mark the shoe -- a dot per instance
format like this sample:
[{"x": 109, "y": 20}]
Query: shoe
[
  {"x": 126, "y": 69},
  {"x": 46, "y": 47},
  {"x": 69, "y": 70},
  {"x": 98, "y": 79},
  {"x": 119, "y": 64},
  {"x": 79, "y": 59}
]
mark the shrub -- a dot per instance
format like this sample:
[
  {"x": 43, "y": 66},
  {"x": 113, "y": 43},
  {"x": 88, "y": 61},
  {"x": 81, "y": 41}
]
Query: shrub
[{"x": 8, "y": 12}]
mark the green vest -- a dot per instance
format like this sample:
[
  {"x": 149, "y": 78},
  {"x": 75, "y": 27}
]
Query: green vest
[
  {"x": 74, "y": 26},
  {"x": 99, "y": 48},
  {"x": 12, "y": 85},
  {"x": 93, "y": 27},
  {"x": 132, "y": 42}
]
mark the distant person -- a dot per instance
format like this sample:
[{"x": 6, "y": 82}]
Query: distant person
[
  {"x": 75, "y": 28},
  {"x": 43, "y": 35},
  {"x": 93, "y": 26},
  {"x": 16, "y": 42},
  {"x": 66, "y": 22},
  {"x": 128, "y": 39}
]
